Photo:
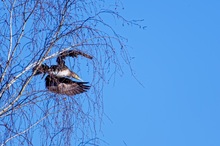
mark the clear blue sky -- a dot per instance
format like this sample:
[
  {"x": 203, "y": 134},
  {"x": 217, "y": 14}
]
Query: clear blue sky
[{"x": 177, "y": 58}]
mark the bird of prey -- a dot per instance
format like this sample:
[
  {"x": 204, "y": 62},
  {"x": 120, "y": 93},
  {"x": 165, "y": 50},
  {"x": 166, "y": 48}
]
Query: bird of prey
[{"x": 57, "y": 80}]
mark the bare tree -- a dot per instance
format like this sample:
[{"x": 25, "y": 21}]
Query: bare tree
[{"x": 35, "y": 32}]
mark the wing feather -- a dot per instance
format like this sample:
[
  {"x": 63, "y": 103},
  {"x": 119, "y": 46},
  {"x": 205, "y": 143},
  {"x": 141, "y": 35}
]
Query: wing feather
[
  {"x": 42, "y": 69},
  {"x": 70, "y": 53},
  {"x": 65, "y": 86}
]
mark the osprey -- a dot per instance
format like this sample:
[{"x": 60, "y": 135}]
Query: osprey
[{"x": 57, "y": 82}]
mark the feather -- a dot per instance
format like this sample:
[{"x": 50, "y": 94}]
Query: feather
[{"x": 65, "y": 86}]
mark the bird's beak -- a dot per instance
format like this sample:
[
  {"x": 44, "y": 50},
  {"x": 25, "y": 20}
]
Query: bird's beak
[{"x": 79, "y": 79}]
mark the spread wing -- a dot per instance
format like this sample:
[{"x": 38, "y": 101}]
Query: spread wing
[
  {"x": 70, "y": 53},
  {"x": 65, "y": 86},
  {"x": 42, "y": 69}
]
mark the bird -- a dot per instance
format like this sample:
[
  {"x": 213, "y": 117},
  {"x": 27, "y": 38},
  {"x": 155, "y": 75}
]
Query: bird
[
  {"x": 61, "y": 70},
  {"x": 56, "y": 70},
  {"x": 57, "y": 80},
  {"x": 62, "y": 85}
]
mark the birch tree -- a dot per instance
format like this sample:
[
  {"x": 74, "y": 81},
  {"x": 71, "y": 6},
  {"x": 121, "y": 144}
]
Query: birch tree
[{"x": 36, "y": 32}]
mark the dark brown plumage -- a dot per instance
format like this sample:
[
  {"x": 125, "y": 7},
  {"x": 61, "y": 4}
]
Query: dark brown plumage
[
  {"x": 70, "y": 53},
  {"x": 57, "y": 82},
  {"x": 61, "y": 70},
  {"x": 43, "y": 68},
  {"x": 65, "y": 86}
]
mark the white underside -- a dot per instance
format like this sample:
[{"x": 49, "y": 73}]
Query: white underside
[{"x": 64, "y": 73}]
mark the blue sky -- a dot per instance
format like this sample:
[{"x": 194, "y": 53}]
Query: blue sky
[{"x": 177, "y": 59}]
